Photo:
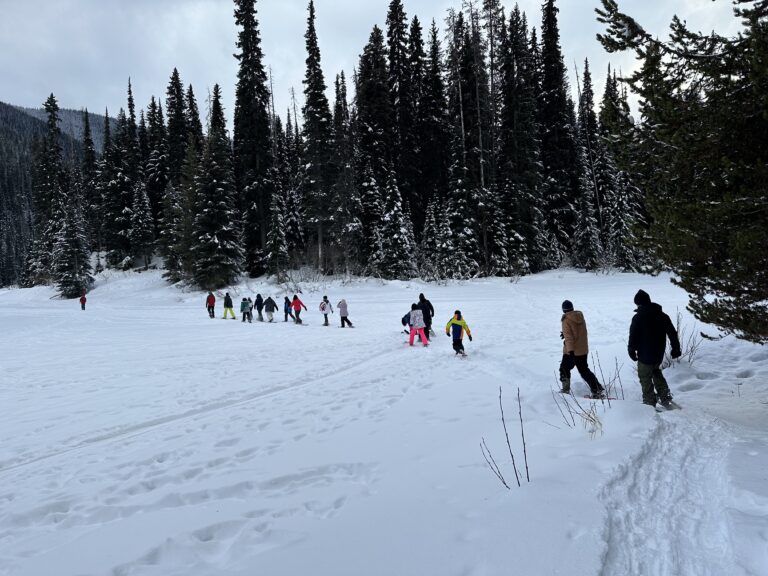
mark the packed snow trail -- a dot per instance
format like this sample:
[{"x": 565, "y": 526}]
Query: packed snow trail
[{"x": 667, "y": 508}]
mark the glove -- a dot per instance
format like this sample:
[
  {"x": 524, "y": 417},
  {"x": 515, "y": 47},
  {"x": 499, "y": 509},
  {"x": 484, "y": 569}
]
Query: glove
[
  {"x": 470, "y": 337},
  {"x": 561, "y": 336},
  {"x": 676, "y": 353},
  {"x": 447, "y": 334},
  {"x": 633, "y": 355}
]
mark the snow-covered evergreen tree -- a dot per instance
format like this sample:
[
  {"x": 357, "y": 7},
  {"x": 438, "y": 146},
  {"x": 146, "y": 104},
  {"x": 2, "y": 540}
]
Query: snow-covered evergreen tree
[
  {"x": 397, "y": 236},
  {"x": 217, "y": 251},
  {"x": 141, "y": 234},
  {"x": 71, "y": 257}
]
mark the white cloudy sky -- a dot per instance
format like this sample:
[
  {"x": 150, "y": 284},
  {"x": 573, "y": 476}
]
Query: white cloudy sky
[{"x": 85, "y": 50}]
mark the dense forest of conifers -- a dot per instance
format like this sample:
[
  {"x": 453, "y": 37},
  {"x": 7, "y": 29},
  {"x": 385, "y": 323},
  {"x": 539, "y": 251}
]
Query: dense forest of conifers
[{"x": 450, "y": 152}]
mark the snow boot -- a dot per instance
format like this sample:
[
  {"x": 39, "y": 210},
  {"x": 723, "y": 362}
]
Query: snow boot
[{"x": 566, "y": 384}]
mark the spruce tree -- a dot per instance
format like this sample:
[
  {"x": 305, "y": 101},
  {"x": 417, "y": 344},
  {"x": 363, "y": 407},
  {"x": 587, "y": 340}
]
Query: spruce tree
[
  {"x": 117, "y": 195},
  {"x": 434, "y": 128},
  {"x": 49, "y": 182},
  {"x": 374, "y": 109},
  {"x": 217, "y": 251},
  {"x": 278, "y": 258},
  {"x": 176, "y": 137},
  {"x": 157, "y": 171},
  {"x": 194, "y": 125},
  {"x": 559, "y": 153},
  {"x": 317, "y": 141},
  {"x": 70, "y": 255},
  {"x": 141, "y": 234},
  {"x": 701, "y": 160},
  {"x": 371, "y": 218},
  {"x": 397, "y": 236},
  {"x": 89, "y": 170},
  {"x": 252, "y": 143}
]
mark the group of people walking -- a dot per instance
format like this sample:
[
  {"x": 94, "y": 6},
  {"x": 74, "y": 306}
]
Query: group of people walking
[
  {"x": 648, "y": 335},
  {"x": 266, "y": 309},
  {"x": 419, "y": 321}
]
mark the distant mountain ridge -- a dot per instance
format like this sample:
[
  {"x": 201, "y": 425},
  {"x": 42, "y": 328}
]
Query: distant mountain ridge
[{"x": 72, "y": 124}]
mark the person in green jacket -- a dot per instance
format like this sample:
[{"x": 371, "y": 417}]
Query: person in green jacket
[
  {"x": 245, "y": 309},
  {"x": 456, "y": 327}
]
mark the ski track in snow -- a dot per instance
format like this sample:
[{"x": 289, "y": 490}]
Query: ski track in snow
[{"x": 666, "y": 507}]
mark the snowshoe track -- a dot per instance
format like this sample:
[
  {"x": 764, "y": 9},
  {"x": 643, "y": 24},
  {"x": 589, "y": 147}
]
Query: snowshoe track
[{"x": 666, "y": 507}]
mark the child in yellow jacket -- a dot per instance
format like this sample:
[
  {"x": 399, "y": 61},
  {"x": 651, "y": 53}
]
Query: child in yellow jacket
[{"x": 456, "y": 327}]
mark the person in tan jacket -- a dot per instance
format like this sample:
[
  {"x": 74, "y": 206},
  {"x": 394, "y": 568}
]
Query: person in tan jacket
[{"x": 575, "y": 350}]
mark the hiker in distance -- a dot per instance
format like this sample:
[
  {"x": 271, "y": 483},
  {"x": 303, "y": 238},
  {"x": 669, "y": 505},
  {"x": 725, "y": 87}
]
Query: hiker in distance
[
  {"x": 648, "y": 335},
  {"x": 228, "y": 307},
  {"x": 83, "y": 300},
  {"x": 259, "y": 305},
  {"x": 288, "y": 309},
  {"x": 456, "y": 327},
  {"x": 297, "y": 305},
  {"x": 325, "y": 309},
  {"x": 245, "y": 310},
  {"x": 344, "y": 313},
  {"x": 575, "y": 350},
  {"x": 270, "y": 307},
  {"x": 210, "y": 305}
]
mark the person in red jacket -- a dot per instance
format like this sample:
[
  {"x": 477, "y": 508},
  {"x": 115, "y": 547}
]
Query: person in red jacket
[
  {"x": 297, "y": 305},
  {"x": 210, "y": 304},
  {"x": 83, "y": 300}
]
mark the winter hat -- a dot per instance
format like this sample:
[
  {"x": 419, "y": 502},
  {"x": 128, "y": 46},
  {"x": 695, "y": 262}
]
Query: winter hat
[
  {"x": 567, "y": 306},
  {"x": 642, "y": 298},
  {"x": 414, "y": 306},
  {"x": 458, "y": 314}
]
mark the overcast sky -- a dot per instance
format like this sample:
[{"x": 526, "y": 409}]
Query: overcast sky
[{"x": 85, "y": 50}]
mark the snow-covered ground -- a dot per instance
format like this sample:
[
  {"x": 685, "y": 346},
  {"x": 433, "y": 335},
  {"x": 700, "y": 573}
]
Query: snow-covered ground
[{"x": 142, "y": 438}]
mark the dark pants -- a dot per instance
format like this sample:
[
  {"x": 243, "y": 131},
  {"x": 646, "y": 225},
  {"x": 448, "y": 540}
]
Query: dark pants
[
  {"x": 246, "y": 316},
  {"x": 326, "y": 319},
  {"x": 580, "y": 362},
  {"x": 261, "y": 317},
  {"x": 654, "y": 384},
  {"x": 458, "y": 346},
  {"x": 427, "y": 329},
  {"x": 211, "y": 312},
  {"x": 289, "y": 313},
  {"x": 82, "y": 306},
  {"x": 344, "y": 320},
  {"x": 297, "y": 319}
]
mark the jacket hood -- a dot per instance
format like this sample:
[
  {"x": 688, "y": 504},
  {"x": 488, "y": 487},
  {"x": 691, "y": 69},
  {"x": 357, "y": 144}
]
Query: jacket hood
[
  {"x": 574, "y": 316},
  {"x": 650, "y": 308}
]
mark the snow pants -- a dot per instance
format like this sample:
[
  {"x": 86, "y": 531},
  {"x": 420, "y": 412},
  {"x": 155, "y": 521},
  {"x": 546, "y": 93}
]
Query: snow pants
[
  {"x": 287, "y": 314},
  {"x": 345, "y": 320},
  {"x": 211, "y": 312},
  {"x": 270, "y": 316},
  {"x": 229, "y": 311},
  {"x": 654, "y": 384},
  {"x": 458, "y": 346},
  {"x": 297, "y": 319},
  {"x": 420, "y": 332},
  {"x": 326, "y": 319},
  {"x": 580, "y": 362},
  {"x": 82, "y": 306}
]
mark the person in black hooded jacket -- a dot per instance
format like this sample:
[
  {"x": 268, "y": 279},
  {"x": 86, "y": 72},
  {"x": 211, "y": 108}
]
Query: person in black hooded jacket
[
  {"x": 429, "y": 313},
  {"x": 647, "y": 343}
]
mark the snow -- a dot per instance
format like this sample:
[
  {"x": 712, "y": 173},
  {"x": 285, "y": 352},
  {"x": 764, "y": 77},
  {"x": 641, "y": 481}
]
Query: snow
[{"x": 142, "y": 438}]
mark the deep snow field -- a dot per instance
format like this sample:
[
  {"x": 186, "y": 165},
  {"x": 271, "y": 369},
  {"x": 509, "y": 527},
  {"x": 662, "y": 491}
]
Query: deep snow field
[{"x": 141, "y": 437}]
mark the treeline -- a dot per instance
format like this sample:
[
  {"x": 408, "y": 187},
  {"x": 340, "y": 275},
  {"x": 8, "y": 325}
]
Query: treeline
[{"x": 444, "y": 158}]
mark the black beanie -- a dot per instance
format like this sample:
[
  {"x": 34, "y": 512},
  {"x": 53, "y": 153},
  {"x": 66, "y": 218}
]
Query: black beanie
[
  {"x": 567, "y": 306},
  {"x": 642, "y": 298}
]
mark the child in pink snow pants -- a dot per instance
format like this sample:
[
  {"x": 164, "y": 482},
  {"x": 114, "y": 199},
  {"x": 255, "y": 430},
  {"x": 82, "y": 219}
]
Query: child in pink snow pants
[{"x": 417, "y": 325}]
